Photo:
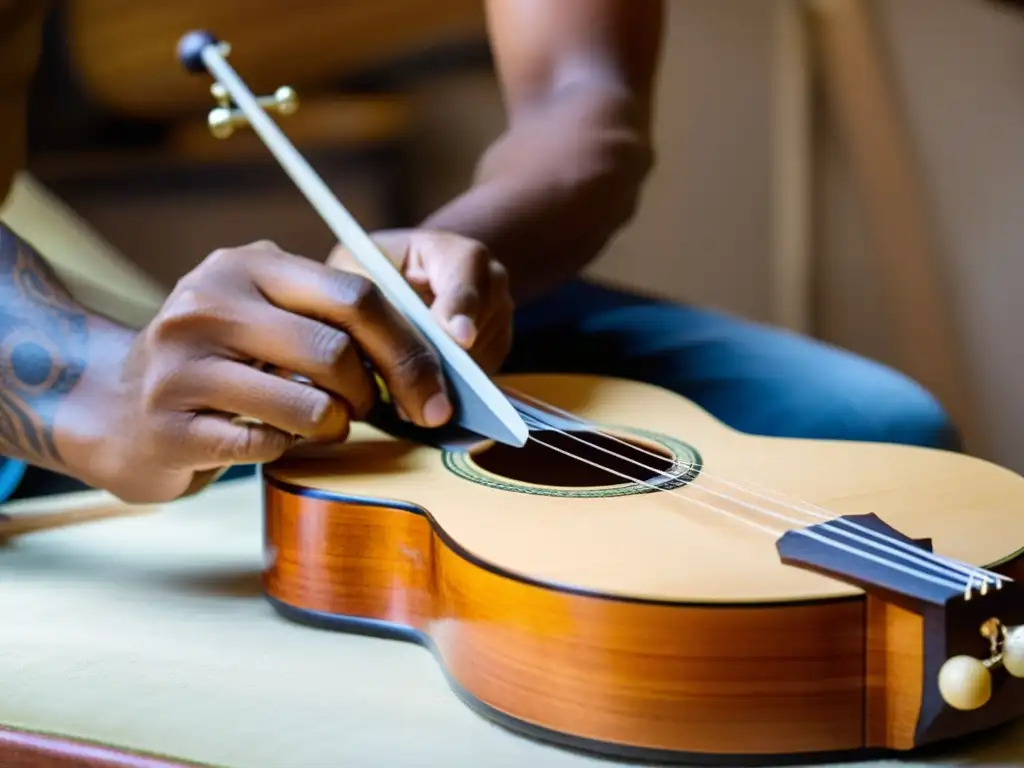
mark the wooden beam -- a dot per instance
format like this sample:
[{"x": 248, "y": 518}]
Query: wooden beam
[
  {"x": 864, "y": 107},
  {"x": 792, "y": 268}
]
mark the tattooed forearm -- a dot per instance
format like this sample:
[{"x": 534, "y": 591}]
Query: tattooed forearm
[{"x": 43, "y": 342}]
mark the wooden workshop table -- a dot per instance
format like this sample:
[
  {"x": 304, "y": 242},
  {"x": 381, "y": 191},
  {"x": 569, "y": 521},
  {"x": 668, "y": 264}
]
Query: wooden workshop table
[{"x": 149, "y": 633}]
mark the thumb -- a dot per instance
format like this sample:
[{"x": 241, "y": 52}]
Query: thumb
[{"x": 459, "y": 284}]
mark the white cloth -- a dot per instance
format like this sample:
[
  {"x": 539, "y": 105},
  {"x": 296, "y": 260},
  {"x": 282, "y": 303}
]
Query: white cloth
[{"x": 150, "y": 633}]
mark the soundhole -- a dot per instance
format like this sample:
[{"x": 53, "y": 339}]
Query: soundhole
[{"x": 579, "y": 460}]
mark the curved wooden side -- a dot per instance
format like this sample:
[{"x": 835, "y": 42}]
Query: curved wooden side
[
  {"x": 633, "y": 679},
  {"x": 20, "y": 749}
]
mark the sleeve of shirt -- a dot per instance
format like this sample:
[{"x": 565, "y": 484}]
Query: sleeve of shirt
[{"x": 21, "y": 33}]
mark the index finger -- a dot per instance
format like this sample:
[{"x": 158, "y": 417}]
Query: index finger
[
  {"x": 460, "y": 279},
  {"x": 398, "y": 352}
]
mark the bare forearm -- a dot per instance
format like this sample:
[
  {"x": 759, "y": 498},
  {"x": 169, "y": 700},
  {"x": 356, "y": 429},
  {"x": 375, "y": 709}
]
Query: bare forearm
[
  {"x": 552, "y": 191},
  {"x": 52, "y": 352},
  {"x": 578, "y": 80}
]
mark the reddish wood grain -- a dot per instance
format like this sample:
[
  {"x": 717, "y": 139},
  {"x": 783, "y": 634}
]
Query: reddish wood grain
[{"x": 654, "y": 676}]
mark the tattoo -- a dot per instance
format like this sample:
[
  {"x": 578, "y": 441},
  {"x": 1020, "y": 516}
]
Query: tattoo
[{"x": 43, "y": 340}]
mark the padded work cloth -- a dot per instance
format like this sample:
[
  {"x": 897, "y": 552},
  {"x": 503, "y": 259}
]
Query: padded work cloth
[{"x": 150, "y": 633}]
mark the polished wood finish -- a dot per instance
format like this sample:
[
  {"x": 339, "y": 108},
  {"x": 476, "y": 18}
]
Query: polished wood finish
[
  {"x": 598, "y": 669},
  {"x": 638, "y": 624},
  {"x": 894, "y": 675},
  {"x": 921, "y": 492}
]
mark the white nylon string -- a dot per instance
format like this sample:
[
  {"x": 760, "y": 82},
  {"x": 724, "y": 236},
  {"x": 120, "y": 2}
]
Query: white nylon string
[
  {"x": 946, "y": 567},
  {"x": 809, "y": 534}
]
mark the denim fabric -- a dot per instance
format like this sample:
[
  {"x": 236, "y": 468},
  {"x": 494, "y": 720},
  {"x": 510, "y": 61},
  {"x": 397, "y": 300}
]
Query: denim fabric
[{"x": 755, "y": 378}]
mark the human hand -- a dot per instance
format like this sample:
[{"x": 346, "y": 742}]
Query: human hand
[
  {"x": 466, "y": 289},
  {"x": 197, "y": 364}
]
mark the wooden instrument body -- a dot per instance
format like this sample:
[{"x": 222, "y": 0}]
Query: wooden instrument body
[{"x": 642, "y": 624}]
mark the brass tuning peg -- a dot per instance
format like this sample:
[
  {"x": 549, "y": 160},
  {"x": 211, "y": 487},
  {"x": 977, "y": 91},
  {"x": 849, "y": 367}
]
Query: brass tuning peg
[{"x": 224, "y": 119}]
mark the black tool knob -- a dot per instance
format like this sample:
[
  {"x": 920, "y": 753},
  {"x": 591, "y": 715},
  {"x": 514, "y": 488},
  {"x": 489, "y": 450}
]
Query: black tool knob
[{"x": 190, "y": 50}]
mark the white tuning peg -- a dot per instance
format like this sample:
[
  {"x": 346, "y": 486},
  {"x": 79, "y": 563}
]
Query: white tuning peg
[
  {"x": 965, "y": 682},
  {"x": 1013, "y": 650}
]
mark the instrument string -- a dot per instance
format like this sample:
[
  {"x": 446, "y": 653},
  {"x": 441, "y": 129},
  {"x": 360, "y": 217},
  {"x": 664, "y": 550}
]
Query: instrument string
[
  {"x": 811, "y": 534},
  {"x": 982, "y": 574},
  {"x": 546, "y": 427},
  {"x": 763, "y": 510},
  {"x": 348, "y": 230},
  {"x": 908, "y": 552}
]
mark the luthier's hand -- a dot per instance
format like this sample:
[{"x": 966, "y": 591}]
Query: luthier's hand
[
  {"x": 194, "y": 367},
  {"x": 466, "y": 289}
]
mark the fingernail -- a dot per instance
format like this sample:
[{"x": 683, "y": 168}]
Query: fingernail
[
  {"x": 438, "y": 410},
  {"x": 463, "y": 329},
  {"x": 401, "y": 413}
]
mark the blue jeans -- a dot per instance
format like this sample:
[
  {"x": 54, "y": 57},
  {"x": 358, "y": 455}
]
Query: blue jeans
[{"x": 755, "y": 378}]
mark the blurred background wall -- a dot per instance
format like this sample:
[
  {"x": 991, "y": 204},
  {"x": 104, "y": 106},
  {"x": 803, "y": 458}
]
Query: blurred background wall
[
  {"x": 415, "y": 109},
  {"x": 959, "y": 68}
]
